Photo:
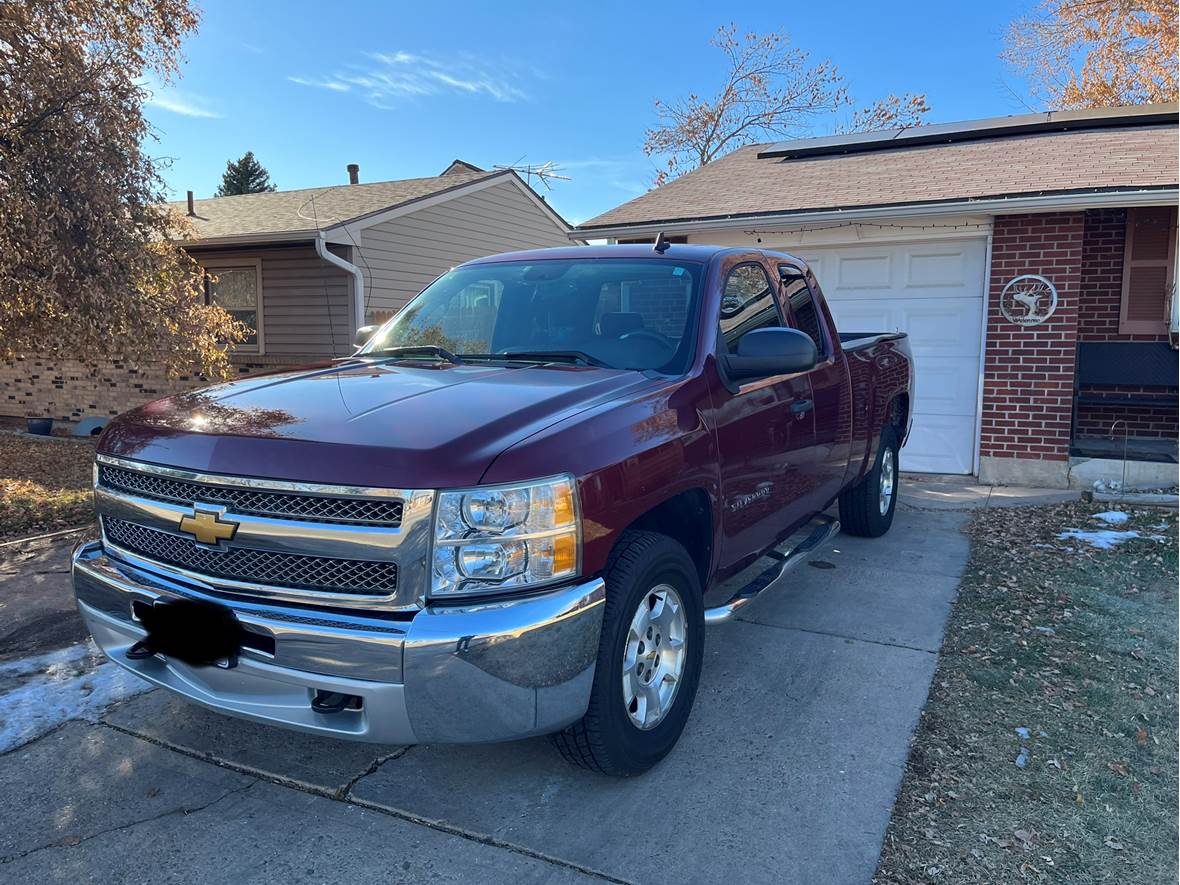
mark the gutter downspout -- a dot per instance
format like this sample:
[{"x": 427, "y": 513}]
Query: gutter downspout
[{"x": 358, "y": 288}]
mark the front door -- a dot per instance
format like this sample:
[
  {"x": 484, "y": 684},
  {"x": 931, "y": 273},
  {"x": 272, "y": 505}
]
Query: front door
[{"x": 764, "y": 429}]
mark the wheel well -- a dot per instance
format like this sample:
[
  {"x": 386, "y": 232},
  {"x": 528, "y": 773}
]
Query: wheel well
[{"x": 686, "y": 518}]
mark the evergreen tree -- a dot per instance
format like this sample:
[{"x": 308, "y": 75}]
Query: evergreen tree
[{"x": 244, "y": 176}]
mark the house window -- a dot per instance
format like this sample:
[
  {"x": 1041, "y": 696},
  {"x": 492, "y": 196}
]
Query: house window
[
  {"x": 237, "y": 289},
  {"x": 1149, "y": 271}
]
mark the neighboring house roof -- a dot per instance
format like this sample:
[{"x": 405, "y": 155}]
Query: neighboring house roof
[
  {"x": 461, "y": 166},
  {"x": 302, "y": 214},
  {"x": 1033, "y": 156}
]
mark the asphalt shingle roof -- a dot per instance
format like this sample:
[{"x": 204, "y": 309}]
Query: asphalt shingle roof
[
  {"x": 306, "y": 211},
  {"x": 1043, "y": 163}
]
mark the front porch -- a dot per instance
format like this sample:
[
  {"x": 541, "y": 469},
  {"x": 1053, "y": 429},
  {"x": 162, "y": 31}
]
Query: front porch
[{"x": 1125, "y": 413}]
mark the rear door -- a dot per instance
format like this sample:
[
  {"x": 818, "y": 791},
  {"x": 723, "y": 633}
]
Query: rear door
[
  {"x": 831, "y": 389},
  {"x": 763, "y": 434}
]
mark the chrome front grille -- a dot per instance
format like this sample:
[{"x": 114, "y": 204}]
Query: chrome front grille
[
  {"x": 276, "y": 505},
  {"x": 345, "y": 546},
  {"x": 242, "y": 564}
]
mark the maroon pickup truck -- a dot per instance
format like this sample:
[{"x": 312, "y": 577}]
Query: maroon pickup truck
[{"x": 511, "y": 512}]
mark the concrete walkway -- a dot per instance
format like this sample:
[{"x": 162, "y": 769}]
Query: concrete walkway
[
  {"x": 925, "y": 491},
  {"x": 786, "y": 773}
]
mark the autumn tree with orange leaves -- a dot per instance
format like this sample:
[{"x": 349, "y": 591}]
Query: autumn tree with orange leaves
[
  {"x": 90, "y": 262},
  {"x": 1097, "y": 53},
  {"x": 771, "y": 89}
]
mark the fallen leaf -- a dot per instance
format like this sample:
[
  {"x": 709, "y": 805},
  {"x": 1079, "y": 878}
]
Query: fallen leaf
[
  {"x": 153, "y": 793},
  {"x": 1027, "y": 837},
  {"x": 71, "y": 840},
  {"x": 1118, "y": 768},
  {"x": 1141, "y": 737}
]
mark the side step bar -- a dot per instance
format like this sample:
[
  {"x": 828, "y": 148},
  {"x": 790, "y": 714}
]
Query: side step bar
[{"x": 798, "y": 548}]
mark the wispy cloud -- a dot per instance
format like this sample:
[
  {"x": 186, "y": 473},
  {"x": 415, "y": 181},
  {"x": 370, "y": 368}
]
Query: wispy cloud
[
  {"x": 630, "y": 175},
  {"x": 333, "y": 85},
  {"x": 168, "y": 98},
  {"x": 387, "y": 78}
]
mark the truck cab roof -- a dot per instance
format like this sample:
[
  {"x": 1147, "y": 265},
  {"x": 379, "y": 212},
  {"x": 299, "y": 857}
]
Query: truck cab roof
[{"x": 699, "y": 253}]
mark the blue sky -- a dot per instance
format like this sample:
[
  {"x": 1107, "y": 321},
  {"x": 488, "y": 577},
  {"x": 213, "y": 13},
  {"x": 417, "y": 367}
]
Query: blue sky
[{"x": 402, "y": 89}]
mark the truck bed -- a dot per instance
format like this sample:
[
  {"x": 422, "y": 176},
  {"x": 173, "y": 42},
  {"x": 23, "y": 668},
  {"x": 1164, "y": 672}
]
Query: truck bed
[{"x": 859, "y": 340}]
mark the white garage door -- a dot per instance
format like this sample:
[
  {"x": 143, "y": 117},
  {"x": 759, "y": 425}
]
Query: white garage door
[{"x": 933, "y": 291}]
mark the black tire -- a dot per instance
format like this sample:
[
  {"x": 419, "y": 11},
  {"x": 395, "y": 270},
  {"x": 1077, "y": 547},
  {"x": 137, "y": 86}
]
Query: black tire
[
  {"x": 605, "y": 739},
  {"x": 860, "y": 506}
]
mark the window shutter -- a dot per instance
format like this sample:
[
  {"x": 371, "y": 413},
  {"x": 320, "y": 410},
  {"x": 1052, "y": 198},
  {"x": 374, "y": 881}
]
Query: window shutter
[{"x": 1148, "y": 265}]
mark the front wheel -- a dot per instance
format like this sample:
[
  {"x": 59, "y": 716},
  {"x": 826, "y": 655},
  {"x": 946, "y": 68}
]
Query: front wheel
[
  {"x": 649, "y": 659},
  {"x": 867, "y": 508}
]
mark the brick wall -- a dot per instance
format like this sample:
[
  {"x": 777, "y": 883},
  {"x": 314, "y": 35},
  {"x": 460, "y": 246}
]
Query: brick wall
[
  {"x": 1029, "y": 371},
  {"x": 71, "y": 389},
  {"x": 1100, "y": 297}
]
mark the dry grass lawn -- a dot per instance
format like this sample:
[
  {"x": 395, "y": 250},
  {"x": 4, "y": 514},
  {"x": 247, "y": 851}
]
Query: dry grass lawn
[
  {"x": 44, "y": 484},
  {"x": 1047, "y": 751}
]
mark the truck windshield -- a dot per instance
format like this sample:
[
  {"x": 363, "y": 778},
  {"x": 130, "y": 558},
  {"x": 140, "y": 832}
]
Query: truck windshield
[{"x": 619, "y": 313}]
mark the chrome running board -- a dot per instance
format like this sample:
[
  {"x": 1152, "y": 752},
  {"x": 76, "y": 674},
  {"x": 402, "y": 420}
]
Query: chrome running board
[{"x": 797, "y": 548}]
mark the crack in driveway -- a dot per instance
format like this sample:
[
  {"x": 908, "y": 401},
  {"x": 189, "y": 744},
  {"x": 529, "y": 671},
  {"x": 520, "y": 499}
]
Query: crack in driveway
[
  {"x": 71, "y": 841},
  {"x": 344, "y": 795}
]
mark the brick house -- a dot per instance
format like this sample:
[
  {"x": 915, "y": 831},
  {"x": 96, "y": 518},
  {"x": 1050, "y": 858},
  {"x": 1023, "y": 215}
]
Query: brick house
[
  {"x": 304, "y": 269},
  {"x": 1032, "y": 259}
]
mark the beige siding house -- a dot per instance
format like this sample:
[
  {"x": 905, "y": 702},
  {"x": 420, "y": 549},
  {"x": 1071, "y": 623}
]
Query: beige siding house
[{"x": 304, "y": 269}]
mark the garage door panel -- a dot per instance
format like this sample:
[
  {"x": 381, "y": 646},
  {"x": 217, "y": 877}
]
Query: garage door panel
[
  {"x": 934, "y": 292},
  {"x": 946, "y": 327},
  {"x": 947, "y": 385},
  {"x": 949, "y": 327},
  {"x": 864, "y": 271},
  {"x": 939, "y": 444}
]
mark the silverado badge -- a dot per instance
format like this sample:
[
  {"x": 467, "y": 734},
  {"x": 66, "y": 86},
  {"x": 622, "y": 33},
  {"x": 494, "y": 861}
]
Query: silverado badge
[{"x": 207, "y": 526}]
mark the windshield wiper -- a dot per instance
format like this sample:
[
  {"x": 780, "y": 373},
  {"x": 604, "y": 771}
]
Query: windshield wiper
[
  {"x": 422, "y": 350},
  {"x": 539, "y": 356}
]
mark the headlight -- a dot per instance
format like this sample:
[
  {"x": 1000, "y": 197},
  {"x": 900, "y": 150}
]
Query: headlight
[{"x": 499, "y": 538}]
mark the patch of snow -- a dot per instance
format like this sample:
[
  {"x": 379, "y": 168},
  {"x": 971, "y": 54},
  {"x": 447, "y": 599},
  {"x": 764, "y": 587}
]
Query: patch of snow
[
  {"x": 1103, "y": 539},
  {"x": 1112, "y": 517},
  {"x": 38, "y": 694}
]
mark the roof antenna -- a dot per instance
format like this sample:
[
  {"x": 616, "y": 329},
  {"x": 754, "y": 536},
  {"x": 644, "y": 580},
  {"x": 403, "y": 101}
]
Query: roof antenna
[{"x": 662, "y": 243}]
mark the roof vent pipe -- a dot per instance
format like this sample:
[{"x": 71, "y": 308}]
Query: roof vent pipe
[
  {"x": 354, "y": 173},
  {"x": 192, "y": 213}
]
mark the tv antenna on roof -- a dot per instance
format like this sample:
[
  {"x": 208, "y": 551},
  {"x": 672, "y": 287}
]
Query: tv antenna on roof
[{"x": 544, "y": 173}]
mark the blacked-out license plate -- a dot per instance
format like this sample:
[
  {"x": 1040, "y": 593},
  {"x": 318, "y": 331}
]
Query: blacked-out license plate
[{"x": 194, "y": 631}]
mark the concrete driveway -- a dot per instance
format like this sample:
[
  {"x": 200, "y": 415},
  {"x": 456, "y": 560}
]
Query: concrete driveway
[{"x": 786, "y": 772}]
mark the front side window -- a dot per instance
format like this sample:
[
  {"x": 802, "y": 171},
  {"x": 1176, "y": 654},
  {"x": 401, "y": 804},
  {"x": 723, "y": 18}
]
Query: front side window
[
  {"x": 747, "y": 303},
  {"x": 622, "y": 314},
  {"x": 235, "y": 290}
]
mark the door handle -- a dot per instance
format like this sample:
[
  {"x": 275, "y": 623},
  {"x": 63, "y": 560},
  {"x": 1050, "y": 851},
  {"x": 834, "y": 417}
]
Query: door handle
[{"x": 802, "y": 406}]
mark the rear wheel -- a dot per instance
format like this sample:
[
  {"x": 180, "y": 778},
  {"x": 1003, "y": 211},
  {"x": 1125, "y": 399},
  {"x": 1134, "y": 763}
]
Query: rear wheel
[
  {"x": 867, "y": 508},
  {"x": 649, "y": 659}
]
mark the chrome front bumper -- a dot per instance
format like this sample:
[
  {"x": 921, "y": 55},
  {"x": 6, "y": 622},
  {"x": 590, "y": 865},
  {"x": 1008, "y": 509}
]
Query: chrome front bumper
[{"x": 489, "y": 671}]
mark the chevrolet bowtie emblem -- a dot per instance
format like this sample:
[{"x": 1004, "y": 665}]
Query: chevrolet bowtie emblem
[{"x": 207, "y": 526}]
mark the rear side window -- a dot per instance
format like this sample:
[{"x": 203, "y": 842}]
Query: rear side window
[
  {"x": 747, "y": 303},
  {"x": 804, "y": 310}
]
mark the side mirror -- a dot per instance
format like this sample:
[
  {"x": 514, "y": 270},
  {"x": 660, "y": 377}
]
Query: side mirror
[
  {"x": 766, "y": 352},
  {"x": 363, "y": 334}
]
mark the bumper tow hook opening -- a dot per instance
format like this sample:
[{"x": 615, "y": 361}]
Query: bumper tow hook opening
[
  {"x": 334, "y": 702},
  {"x": 140, "y": 651}
]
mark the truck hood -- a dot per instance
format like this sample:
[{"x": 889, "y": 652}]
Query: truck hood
[{"x": 361, "y": 423}]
